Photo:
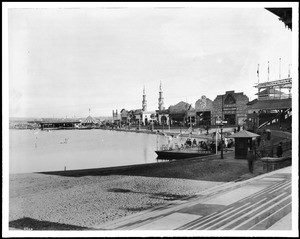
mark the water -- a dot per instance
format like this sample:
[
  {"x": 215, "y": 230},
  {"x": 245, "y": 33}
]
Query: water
[{"x": 41, "y": 151}]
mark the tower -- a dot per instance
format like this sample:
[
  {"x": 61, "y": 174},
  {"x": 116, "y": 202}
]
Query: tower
[
  {"x": 144, "y": 102},
  {"x": 160, "y": 99}
]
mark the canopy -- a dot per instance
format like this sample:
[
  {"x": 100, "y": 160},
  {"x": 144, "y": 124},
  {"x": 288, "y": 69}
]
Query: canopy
[
  {"x": 89, "y": 120},
  {"x": 244, "y": 134}
]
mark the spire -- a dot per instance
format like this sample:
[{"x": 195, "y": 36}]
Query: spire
[
  {"x": 144, "y": 102},
  {"x": 160, "y": 98}
]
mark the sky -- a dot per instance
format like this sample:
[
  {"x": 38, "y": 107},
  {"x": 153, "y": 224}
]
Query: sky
[{"x": 64, "y": 61}]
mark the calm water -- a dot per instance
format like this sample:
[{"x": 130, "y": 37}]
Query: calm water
[{"x": 36, "y": 151}]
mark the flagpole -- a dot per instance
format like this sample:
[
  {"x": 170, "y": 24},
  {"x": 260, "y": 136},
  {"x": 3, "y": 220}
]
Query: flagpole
[
  {"x": 268, "y": 71},
  {"x": 279, "y": 68},
  {"x": 258, "y": 74},
  {"x": 258, "y": 81}
]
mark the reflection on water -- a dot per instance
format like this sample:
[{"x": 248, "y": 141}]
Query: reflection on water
[{"x": 36, "y": 151}]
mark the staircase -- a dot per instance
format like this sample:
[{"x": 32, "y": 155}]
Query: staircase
[
  {"x": 282, "y": 119},
  {"x": 256, "y": 212}
]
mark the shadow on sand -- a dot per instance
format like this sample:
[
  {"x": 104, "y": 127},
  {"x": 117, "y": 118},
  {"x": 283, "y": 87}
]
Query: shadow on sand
[{"x": 27, "y": 223}]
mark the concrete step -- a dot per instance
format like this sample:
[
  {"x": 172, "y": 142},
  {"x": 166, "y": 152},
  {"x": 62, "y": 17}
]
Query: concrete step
[{"x": 246, "y": 213}]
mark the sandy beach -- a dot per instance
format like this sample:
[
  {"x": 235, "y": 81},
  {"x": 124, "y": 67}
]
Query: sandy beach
[{"x": 92, "y": 200}]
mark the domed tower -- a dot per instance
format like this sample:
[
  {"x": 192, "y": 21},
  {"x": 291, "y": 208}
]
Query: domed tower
[
  {"x": 144, "y": 102},
  {"x": 160, "y": 99}
]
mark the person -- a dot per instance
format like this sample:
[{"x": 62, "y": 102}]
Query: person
[
  {"x": 194, "y": 142},
  {"x": 258, "y": 140},
  {"x": 279, "y": 150},
  {"x": 250, "y": 158}
]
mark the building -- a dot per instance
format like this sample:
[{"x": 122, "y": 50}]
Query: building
[
  {"x": 58, "y": 124},
  {"x": 124, "y": 117},
  {"x": 147, "y": 116},
  {"x": 178, "y": 113},
  {"x": 162, "y": 114},
  {"x": 160, "y": 99},
  {"x": 89, "y": 121},
  {"x": 273, "y": 107},
  {"x": 230, "y": 107},
  {"x": 203, "y": 108}
]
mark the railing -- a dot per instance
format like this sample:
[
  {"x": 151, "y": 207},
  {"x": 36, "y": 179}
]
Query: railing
[
  {"x": 270, "y": 151},
  {"x": 269, "y": 122}
]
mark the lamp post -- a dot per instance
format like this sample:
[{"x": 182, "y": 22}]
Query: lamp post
[
  {"x": 163, "y": 122},
  {"x": 222, "y": 157},
  {"x": 221, "y": 124}
]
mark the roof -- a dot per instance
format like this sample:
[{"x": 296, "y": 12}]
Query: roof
[
  {"x": 271, "y": 104},
  {"x": 58, "y": 121},
  {"x": 244, "y": 134},
  {"x": 181, "y": 107},
  {"x": 89, "y": 120},
  {"x": 271, "y": 91}
]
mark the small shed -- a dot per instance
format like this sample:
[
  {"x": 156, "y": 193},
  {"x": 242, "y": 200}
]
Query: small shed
[{"x": 243, "y": 141}]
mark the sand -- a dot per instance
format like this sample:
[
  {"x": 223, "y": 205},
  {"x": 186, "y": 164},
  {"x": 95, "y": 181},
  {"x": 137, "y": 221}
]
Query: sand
[{"x": 92, "y": 200}]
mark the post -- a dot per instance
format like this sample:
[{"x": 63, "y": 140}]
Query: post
[
  {"x": 156, "y": 141},
  {"x": 217, "y": 140},
  {"x": 180, "y": 127},
  {"x": 222, "y": 142}
]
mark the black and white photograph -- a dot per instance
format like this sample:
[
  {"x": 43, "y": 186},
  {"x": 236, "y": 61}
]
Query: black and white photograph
[{"x": 130, "y": 119}]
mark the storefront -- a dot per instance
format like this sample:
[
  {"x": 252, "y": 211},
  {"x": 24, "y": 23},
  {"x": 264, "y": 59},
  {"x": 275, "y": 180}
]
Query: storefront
[{"x": 231, "y": 107}]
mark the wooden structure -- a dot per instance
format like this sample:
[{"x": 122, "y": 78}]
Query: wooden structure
[{"x": 243, "y": 141}]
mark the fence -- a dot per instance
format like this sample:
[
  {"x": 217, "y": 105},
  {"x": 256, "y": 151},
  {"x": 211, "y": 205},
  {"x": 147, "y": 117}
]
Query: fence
[{"x": 270, "y": 151}]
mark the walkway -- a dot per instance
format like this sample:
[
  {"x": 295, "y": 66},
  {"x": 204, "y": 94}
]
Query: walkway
[{"x": 260, "y": 203}]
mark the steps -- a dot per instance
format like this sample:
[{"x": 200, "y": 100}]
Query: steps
[{"x": 256, "y": 212}]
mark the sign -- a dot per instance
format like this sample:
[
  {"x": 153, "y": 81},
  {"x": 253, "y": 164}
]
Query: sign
[
  {"x": 275, "y": 83},
  {"x": 221, "y": 122}
]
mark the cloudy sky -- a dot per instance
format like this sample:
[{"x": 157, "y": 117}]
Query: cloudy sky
[{"x": 64, "y": 61}]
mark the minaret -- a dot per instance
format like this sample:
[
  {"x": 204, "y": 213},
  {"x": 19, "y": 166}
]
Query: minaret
[
  {"x": 160, "y": 99},
  {"x": 144, "y": 102}
]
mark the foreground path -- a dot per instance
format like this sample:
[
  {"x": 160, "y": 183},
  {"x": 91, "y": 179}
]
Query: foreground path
[{"x": 260, "y": 203}]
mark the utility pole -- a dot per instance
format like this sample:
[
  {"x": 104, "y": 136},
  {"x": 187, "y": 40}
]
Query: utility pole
[{"x": 222, "y": 157}]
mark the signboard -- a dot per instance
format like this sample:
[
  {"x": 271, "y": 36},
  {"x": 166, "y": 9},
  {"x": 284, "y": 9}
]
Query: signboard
[
  {"x": 274, "y": 83},
  {"x": 221, "y": 122}
]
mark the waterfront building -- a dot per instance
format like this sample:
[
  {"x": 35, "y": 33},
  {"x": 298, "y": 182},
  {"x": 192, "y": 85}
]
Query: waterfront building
[
  {"x": 160, "y": 99},
  {"x": 89, "y": 121},
  {"x": 116, "y": 116},
  {"x": 58, "y": 124},
  {"x": 144, "y": 102},
  {"x": 124, "y": 116},
  {"x": 203, "y": 108},
  {"x": 273, "y": 107},
  {"x": 178, "y": 113},
  {"x": 146, "y": 116},
  {"x": 162, "y": 114},
  {"x": 230, "y": 107}
]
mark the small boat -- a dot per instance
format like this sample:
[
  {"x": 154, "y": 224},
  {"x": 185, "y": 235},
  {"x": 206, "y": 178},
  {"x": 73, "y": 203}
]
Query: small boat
[{"x": 181, "y": 154}]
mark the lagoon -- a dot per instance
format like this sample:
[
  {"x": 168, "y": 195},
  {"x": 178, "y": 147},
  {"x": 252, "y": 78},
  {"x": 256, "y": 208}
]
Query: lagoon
[{"x": 41, "y": 151}]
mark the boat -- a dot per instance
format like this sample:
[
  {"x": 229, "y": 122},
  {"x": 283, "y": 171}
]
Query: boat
[{"x": 181, "y": 153}]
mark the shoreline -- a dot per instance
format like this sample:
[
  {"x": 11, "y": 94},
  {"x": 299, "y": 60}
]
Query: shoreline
[{"x": 44, "y": 201}]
